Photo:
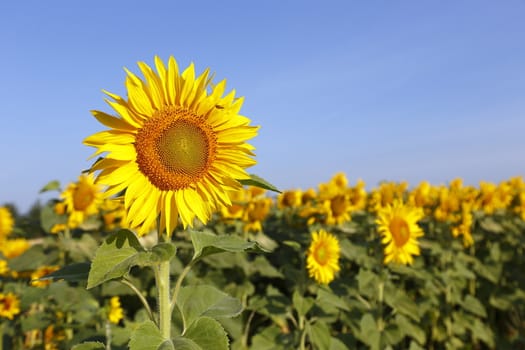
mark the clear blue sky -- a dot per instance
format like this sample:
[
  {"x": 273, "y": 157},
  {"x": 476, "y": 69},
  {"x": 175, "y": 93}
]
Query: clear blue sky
[{"x": 397, "y": 90}]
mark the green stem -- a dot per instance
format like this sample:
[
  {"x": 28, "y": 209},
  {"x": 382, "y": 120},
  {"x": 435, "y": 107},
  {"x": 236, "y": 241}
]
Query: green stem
[
  {"x": 178, "y": 284},
  {"x": 162, "y": 277},
  {"x": 108, "y": 335},
  {"x": 141, "y": 297}
]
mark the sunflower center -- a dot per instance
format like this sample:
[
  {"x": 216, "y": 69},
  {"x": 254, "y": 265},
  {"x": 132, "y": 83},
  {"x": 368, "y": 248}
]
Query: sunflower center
[
  {"x": 400, "y": 231},
  {"x": 321, "y": 254},
  {"x": 175, "y": 148},
  {"x": 82, "y": 198},
  {"x": 183, "y": 147}
]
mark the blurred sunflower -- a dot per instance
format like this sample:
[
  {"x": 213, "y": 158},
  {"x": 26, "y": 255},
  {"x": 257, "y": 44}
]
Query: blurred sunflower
[
  {"x": 255, "y": 213},
  {"x": 9, "y": 305},
  {"x": 322, "y": 261},
  {"x": 4, "y": 268},
  {"x": 398, "y": 226},
  {"x": 115, "y": 313},
  {"x": 6, "y": 222},
  {"x": 175, "y": 148},
  {"x": 81, "y": 199},
  {"x": 41, "y": 272},
  {"x": 11, "y": 248}
]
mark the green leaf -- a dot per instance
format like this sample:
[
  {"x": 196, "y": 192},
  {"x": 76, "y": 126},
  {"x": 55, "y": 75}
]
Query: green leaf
[
  {"x": 410, "y": 329},
  {"x": 474, "y": 305},
  {"x": 147, "y": 337},
  {"x": 202, "y": 300},
  {"x": 319, "y": 335},
  {"x": 204, "y": 334},
  {"x": 369, "y": 334},
  {"x": 482, "y": 331},
  {"x": 51, "y": 186},
  {"x": 367, "y": 282},
  {"x": 164, "y": 251},
  {"x": 90, "y": 345},
  {"x": 73, "y": 273},
  {"x": 257, "y": 181},
  {"x": 114, "y": 258},
  {"x": 205, "y": 243},
  {"x": 399, "y": 301},
  {"x": 301, "y": 304},
  {"x": 327, "y": 297}
]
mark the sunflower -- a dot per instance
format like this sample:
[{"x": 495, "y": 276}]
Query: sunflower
[
  {"x": 177, "y": 146},
  {"x": 398, "y": 226},
  {"x": 9, "y": 305},
  {"x": 6, "y": 222},
  {"x": 11, "y": 248},
  {"x": 81, "y": 199},
  {"x": 115, "y": 312},
  {"x": 255, "y": 213},
  {"x": 322, "y": 261}
]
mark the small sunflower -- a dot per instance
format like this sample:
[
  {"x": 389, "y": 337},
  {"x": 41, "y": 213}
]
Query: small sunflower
[
  {"x": 255, "y": 213},
  {"x": 115, "y": 313},
  {"x": 398, "y": 226},
  {"x": 177, "y": 146},
  {"x": 322, "y": 261},
  {"x": 11, "y": 248},
  {"x": 6, "y": 222},
  {"x": 9, "y": 305},
  {"x": 81, "y": 199}
]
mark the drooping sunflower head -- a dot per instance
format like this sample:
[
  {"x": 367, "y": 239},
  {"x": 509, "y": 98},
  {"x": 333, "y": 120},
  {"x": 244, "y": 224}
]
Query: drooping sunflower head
[
  {"x": 176, "y": 147},
  {"x": 398, "y": 226},
  {"x": 322, "y": 261},
  {"x": 6, "y": 222}
]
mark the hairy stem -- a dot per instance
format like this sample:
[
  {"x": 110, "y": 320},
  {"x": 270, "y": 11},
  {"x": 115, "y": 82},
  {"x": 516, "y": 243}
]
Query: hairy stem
[{"x": 162, "y": 278}]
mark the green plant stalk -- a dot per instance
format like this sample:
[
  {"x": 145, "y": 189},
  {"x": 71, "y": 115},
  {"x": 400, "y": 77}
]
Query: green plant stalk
[
  {"x": 141, "y": 297},
  {"x": 162, "y": 279},
  {"x": 178, "y": 284}
]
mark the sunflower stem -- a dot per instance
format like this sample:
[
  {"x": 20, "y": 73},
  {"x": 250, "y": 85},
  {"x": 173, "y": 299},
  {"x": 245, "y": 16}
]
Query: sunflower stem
[
  {"x": 139, "y": 294},
  {"x": 178, "y": 284},
  {"x": 162, "y": 277}
]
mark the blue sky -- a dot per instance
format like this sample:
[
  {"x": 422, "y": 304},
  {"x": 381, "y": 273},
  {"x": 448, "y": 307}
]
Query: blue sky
[{"x": 382, "y": 90}]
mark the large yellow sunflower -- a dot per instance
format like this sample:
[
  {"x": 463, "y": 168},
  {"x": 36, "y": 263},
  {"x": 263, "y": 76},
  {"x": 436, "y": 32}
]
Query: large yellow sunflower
[
  {"x": 398, "y": 226},
  {"x": 322, "y": 261},
  {"x": 177, "y": 146},
  {"x": 6, "y": 222}
]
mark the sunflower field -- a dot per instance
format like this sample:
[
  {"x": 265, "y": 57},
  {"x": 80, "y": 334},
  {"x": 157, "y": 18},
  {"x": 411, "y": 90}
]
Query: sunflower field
[{"x": 167, "y": 242}]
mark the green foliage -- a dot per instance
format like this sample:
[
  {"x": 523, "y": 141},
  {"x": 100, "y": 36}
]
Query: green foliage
[
  {"x": 147, "y": 337},
  {"x": 115, "y": 257},
  {"x": 235, "y": 294},
  {"x": 257, "y": 181}
]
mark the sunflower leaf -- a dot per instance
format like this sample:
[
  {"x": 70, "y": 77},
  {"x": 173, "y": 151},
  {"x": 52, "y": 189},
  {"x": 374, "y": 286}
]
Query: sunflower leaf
[
  {"x": 51, "y": 186},
  {"x": 115, "y": 257},
  {"x": 161, "y": 252},
  {"x": 147, "y": 337},
  {"x": 205, "y": 243},
  {"x": 257, "y": 181},
  {"x": 203, "y": 300},
  {"x": 204, "y": 334}
]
